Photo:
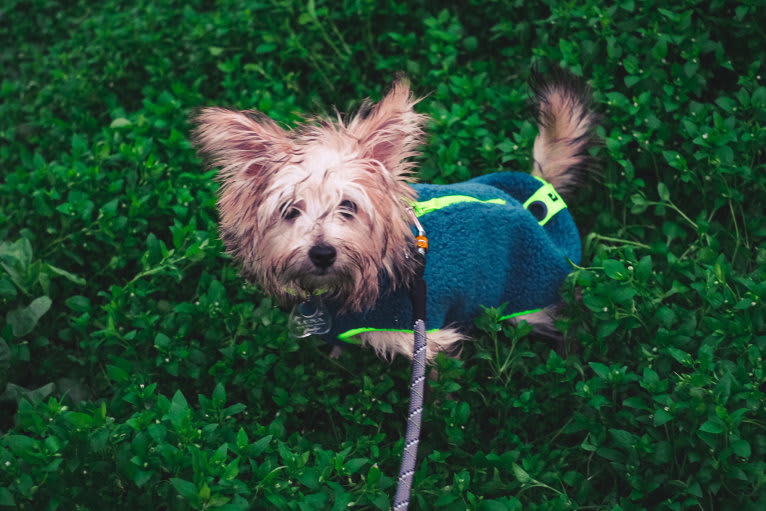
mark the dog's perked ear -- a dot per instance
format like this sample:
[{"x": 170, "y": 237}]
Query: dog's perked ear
[
  {"x": 390, "y": 131},
  {"x": 242, "y": 144}
]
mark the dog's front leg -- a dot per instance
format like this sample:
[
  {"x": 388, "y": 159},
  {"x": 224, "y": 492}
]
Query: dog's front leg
[{"x": 389, "y": 343}]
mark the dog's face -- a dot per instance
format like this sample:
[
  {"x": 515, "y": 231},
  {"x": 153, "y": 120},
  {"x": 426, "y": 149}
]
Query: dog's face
[{"x": 321, "y": 208}]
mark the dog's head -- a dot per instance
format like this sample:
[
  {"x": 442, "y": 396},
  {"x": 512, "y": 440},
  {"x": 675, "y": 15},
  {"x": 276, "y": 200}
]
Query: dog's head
[{"x": 320, "y": 208}]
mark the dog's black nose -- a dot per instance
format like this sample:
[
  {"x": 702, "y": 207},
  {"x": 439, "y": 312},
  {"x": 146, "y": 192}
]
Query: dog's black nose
[{"x": 322, "y": 256}]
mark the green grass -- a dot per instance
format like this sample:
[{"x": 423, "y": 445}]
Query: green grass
[{"x": 138, "y": 371}]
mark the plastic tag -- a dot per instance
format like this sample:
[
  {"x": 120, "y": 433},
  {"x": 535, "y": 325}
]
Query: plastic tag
[{"x": 309, "y": 318}]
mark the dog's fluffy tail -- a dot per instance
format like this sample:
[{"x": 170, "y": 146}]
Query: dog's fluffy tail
[{"x": 565, "y": 123}]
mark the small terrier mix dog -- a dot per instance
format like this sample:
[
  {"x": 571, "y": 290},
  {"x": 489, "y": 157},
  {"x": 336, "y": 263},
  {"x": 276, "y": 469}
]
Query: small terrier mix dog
[{"x": 322, "y": 211}]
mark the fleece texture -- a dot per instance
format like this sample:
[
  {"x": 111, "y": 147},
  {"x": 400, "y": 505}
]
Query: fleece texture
[{"x": 485, "y": 249}]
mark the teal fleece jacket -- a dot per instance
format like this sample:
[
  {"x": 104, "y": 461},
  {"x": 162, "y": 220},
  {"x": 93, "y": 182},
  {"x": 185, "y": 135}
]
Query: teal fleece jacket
[{"x": 501, "y": 238}]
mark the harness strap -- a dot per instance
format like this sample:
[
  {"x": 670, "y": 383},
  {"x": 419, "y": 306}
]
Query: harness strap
[{"x": 545, "y": 202}]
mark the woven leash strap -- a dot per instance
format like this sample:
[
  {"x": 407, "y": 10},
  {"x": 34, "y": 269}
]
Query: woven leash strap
[
  {"x": 415, "y": 416},
  {"x": 414, "y": 419}
]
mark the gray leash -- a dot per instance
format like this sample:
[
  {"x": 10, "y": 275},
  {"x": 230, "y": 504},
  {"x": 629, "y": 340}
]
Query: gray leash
[{"x": 415, "y": 417}]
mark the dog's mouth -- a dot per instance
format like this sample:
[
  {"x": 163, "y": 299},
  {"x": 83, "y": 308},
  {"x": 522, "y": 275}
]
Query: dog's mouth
[
  {"x": 311, "y": 279},
  {"x": 321, "y": 270},
  {"x": 320, "y": 278}
]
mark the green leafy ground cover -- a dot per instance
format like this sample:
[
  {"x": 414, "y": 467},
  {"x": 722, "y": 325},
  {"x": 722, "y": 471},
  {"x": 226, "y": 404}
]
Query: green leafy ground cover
[{"x": 138, "y": 371}]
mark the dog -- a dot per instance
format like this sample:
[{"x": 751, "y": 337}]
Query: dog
[{"x": 322, "y": 211}]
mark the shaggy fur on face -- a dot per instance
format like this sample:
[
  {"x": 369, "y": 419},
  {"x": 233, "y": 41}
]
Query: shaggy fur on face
[{"x": 321, "y": 207}]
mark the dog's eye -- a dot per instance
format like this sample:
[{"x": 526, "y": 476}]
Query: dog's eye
[
  {"x": 347, "y": 209},
  {"x": 291, "y": 213}
]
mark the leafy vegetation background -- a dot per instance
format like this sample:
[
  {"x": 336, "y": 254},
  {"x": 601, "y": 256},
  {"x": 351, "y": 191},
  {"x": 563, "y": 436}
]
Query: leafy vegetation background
[{"x": 138, "y": 371}]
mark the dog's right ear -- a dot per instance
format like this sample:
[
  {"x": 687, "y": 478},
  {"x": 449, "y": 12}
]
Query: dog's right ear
[
  {"x": 390, "y": 131},
  {"x": 243, "y": 144}
]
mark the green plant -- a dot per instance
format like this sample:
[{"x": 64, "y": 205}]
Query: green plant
[{"x": 138, "y": 370}]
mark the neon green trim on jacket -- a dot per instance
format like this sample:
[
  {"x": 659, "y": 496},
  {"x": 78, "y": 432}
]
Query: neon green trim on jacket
[
  {"x": 349, "y": 336},
  {"x": 422, "y": 208},
  {"x": 522, "y": 313}
]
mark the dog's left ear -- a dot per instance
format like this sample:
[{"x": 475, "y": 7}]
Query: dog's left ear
[{"x": 390, "y": 131}]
